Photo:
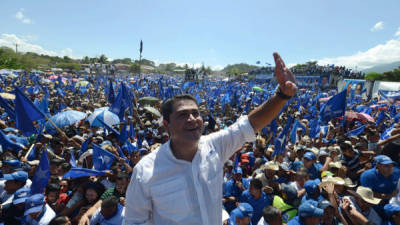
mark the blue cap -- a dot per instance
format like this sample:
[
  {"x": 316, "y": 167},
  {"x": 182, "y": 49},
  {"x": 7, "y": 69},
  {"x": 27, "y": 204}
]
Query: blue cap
[
  {"x": 307, "y": 209},
  {"x": 311, "y": 186},
  {"x": 391, "y": 209},
  {"x": 242, "y": 211},
  {"x": 324, "y": 204},
  {"x": 105, "y": 143},
  {"x": 309, "y": 155},
  {"x": 383, "y": 159},
  {"x": 34, "y": 204},
  {"x": 21, "y": 195},
  {"x": 238, "y": 170},
  {"x": 13, "y": 162},
  {"x": 19, "y": 176}
]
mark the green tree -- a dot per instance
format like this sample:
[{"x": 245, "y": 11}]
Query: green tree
[
  {"x": 134, "y": 67},
  {"x": 86, "y": 60},
  {"x": 103, "y": 59},
  {"x": 69, "y": 66},
  {"x": 373, "y": 76}
]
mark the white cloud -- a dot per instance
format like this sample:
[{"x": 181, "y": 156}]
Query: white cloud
[
  {"x": 9, "y": 40},
  {"x": 397, "y": 34},
  {"x": 381, "y": 54},
  {"x": 21, "y": 17},
  {"x": 66, "y": 52},
  {"x": 217, "y": 67},
  {"x": 377, "y": 26}
]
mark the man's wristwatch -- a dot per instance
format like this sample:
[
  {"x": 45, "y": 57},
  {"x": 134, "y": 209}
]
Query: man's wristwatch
[{"x": 281, "y": 95}]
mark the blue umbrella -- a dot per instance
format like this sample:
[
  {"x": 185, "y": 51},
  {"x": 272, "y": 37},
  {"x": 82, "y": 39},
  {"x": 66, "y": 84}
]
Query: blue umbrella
[
  {"x": 108, "y": 117},
  {"x": 64, "y": 119}
]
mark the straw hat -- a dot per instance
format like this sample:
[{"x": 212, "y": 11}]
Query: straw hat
[
  {"x": 271, "y": 165},
  {"x": 349, "y": 183},
  {"x": 337, "y": 165},
  {"x": 334, "y": 180},
  {"x": 367, "y": 195}
]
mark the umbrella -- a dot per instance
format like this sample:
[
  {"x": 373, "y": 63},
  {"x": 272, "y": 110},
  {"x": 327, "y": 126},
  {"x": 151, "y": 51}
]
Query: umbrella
[
  {"x": 363, "y": 117},
  {"x": 7, "y": 96},
  {"x": 64, "y": 119},
  {"x": 83, "y": 83},
  {"x": 152, "y": 110},
  {"x": 256, "y": 88},
  {"x": 108, "y": 117},
  {"x": 149, "y": 101}
]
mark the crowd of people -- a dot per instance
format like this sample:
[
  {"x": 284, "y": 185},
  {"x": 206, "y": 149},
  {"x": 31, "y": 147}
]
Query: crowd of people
[
  {"x": 341, "y": 71},
  {"x": 323, "y": 174}
]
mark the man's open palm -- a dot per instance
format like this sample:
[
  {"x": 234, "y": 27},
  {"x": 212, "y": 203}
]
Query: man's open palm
[{"x": 285, "y": 77}]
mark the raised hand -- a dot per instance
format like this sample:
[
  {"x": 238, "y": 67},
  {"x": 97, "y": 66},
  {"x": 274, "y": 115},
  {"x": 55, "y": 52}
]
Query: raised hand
[{"x": 285, "y": 77}]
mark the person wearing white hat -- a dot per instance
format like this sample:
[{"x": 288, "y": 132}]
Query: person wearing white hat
[{"x": 363, "y": 201}]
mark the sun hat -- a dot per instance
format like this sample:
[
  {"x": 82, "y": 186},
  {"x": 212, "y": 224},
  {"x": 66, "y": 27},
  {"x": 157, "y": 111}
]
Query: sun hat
[{"x": 367, "y": 195}]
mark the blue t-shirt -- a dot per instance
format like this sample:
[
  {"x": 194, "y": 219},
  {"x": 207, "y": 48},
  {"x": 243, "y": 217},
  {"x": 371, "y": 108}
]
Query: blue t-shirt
[
  {"x": 373, "y": 179},
  {"x": 230, "y": 189},
  {"x": 257, "y": 204},
  {"x": 306, "y": 198},
  {"x": 314, "y": 171},
  {"x": 295, "y": 221}
]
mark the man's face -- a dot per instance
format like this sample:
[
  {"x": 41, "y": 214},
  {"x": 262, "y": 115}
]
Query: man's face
[
  {"x": 243, "y": 221},
  {"x": 52, "y": 197},
  {"x": 313, "y": 220},
  {"x": 308, "y": 163},
  {"x": 185, "y": 122},
  {"x": 108, "y": 212},
  {"x": 385, "y": 170},
  {"x": 121, "y": 185},
  {"x": 11, "y": 186}
]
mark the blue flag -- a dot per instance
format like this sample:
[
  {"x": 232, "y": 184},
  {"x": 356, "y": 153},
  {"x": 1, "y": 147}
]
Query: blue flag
[
  {"x": 102, "y": 159},
  {"x": 85, "y": 146},
  {"x": 293, "y": 133},
  {"x": 110, "y": 129},
  {"x": 72, "y": 160},
  {"x": 381, "y": 117},
  {"x": 60, "y": 92},
  {"x": 110, "y": 95},
  {"x": 32, "y": 154},
  {"x": 387, "y": 133},
  {"x": 132, "y": 133},
  {"x": 280, "y": 141},
  {"x": 335, "y": 107},
  {"x": 123, "y": 136},
  {"x": 6, "y": 143},
  {"x": 122, "y": 101},
  {"x": 314, "y": 128},
  {"x": 42, "y": 174},
  {"x": 26, "y": 112},
  {"x": 391, "y": 96},
  {"x": 7, "y": 107},
  {"x": 83, "y": 172},
  {"x": 356, "y": 131}
]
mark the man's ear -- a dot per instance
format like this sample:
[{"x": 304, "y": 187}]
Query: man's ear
[{"x": 165, "y": 123}]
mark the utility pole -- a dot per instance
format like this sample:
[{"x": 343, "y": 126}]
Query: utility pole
[
  {"x": 140, "y": 58},
  {"x": 16, "y": 48}
]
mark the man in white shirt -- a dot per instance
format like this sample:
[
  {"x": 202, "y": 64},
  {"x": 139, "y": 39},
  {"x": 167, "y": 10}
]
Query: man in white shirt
[{"x": 181, "y": 182}]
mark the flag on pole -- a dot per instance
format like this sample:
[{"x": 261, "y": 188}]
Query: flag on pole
[
  {"x": 334, "y": 107},
  {"x": 102, "y": 159},
  {"x": 356, "y": 131},
  {"x": 141, "y": 46},
  {"x": 82, "y": 172},
  {"x": 280, "y": 141},
  {"x": 42, "y": 174},
  {"x": 26, "y": 112}
]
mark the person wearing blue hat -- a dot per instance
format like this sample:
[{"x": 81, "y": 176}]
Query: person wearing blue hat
[
  {"x": 13, "y": 182},
  {"x": 312, "y": 191},
  {"x": 13, "y": 213},
  {"x": 393, "y": 213},
  {"x": 314, "y": 169},
  {"x": 37, "y": 211},
  {"x": 233, "y": 189},
  {"x": 382, "y": 180},
  {"x": 256, "y": 198},
  {"x": 309, "y": 214},
  {"x": 10, "y": 165},
  {"x": 241, "y": 215}
]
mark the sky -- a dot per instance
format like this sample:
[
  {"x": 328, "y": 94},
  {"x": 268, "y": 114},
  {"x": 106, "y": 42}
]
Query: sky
[{"x": 358, "y": 33}]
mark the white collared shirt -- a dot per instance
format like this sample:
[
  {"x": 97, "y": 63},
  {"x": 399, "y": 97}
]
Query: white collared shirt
[{"x": 167, "y": 191}]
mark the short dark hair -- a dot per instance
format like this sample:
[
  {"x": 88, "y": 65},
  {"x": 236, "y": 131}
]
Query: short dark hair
[
  {"x": 122, "y": 175},
  {"x": 256, "y": 183},
  {"x": 109, "y": 202},
  {"x": 270, "y": 213},
  {"x": 168, "y": 106},
  {"x": 52, "y": 187},
  {"x": 60, "y": 220}
]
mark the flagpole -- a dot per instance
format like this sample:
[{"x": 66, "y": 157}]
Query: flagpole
[{"x": 29, "y": 151}]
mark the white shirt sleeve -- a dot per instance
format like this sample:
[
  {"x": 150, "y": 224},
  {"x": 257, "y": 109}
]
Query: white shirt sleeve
[
  {"x": 228, "y": 141},
  {"x": 138, "y": 201}
]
